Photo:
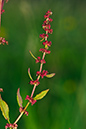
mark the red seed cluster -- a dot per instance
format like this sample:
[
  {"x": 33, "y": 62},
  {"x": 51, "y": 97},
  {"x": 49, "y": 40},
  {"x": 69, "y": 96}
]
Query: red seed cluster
[
  {"x": 31, "y": 100},
  {"x": 42, "y": 74},
  {"x": 43, "y": 36},
  {"x": 35, "y": 82},
  {"x": 11, "y": 126},
  {"x": 44, "y": 50},
  {"x": 47, "y": 43},
  {"x": 47, "y": 28},
  {"x": 40, "y": 60},
  {"x": 21, "y": 109}
]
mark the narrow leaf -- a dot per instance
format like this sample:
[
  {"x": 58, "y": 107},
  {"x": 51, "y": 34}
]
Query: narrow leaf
[
  {"x": 30, "y": 74},
  {"x": 4, "y": 108},
  {"x": 19, "y": 98},
  {"x": 50, "y": 75},
  {"x": 41, "y": 95},
  {"x": 32, "y": 55}
]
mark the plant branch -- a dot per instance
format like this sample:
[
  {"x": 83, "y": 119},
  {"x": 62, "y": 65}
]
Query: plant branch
[{"x": 22, "y": 113}]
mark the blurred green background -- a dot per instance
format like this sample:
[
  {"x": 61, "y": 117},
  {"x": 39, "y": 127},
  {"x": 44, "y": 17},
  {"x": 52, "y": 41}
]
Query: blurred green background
[{"x": 65, "y": 105}]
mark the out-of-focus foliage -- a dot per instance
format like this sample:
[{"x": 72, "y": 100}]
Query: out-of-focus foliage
[{"x": 65, "y": 105}]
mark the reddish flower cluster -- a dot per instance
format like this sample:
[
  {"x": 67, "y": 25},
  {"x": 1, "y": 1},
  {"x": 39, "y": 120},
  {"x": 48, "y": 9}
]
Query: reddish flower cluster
[
  {"x": 31, "y": 100},
  {"x": 35, "y": 82},
  {"x": 44, "y": 50},
  {"x": 3, "y": 41},
  {"x": 21, "y": 109},
  {"x": 48, "y": 13},
  {"x": 47, "y": 28},
  {"x": 11, "y": 126},
  {"x": 43, "y": 36},
  {"x": 46, "y": 24},
  {"x": 42, "y": 74},
  {"x": 39, "y": 60},
  {"x": 47, "y": 43}
]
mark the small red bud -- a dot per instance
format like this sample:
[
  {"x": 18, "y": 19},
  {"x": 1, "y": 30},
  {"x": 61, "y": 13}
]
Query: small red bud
[{"x": 1, "y": 90}]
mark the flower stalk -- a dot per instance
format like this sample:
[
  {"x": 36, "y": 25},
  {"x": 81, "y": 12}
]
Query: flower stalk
[
  {"x": 40, "y": 74},
  {"x": 45, "y": 36}
]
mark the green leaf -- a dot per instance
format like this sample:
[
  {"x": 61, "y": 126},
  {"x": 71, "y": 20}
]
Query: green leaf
[
  {"x": 32, "y": 55},
  {"x": 29, "y": 74},
  {"x": 4, "y": 108},
  {"x": 41, "y": 95},
  {"x": 50, "y": 75},
  {"x": 19, "y": 98}
]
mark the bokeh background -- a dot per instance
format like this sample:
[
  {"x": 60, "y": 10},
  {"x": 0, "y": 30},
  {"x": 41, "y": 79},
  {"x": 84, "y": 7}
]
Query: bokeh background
[{"x": 65, "y": 105}]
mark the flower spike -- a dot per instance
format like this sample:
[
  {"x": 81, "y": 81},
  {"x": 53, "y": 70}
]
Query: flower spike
[{"x": 41, "y": 73}]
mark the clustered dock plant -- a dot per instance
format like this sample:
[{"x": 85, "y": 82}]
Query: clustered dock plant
[{"x": 39, "y": 74}]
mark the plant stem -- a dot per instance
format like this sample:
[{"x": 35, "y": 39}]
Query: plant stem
[
  {"x": 22, "y": 113},
  {"x": 33, "y": 90},
  {"x": 41, "y": 65}
]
